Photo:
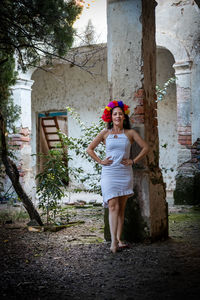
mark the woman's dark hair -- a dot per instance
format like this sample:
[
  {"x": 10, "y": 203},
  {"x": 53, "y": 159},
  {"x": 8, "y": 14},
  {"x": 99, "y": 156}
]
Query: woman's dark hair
[{"x": 126, "y": 124}]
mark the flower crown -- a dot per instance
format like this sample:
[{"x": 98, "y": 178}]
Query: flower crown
[{"x": 107, "y": 114}]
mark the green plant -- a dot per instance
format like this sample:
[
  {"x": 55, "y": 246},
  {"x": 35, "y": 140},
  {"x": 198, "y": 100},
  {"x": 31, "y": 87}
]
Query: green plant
[
  {"x": 78, "y": 147},
  {"x": 162, "y": 91},
  {"x": 52, "y": 182}
]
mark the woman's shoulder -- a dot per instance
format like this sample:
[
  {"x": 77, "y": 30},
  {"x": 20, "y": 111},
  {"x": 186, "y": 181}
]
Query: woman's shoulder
[
  {"x": 129, "y": 131},
  {"x": 104, "y": 131}
]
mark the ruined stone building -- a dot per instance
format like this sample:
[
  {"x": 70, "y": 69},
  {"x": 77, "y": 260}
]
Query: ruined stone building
[{"x": 121, "y": 73}]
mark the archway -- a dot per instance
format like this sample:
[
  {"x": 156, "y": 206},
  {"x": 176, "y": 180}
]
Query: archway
[{"x": 167, "y": 121}]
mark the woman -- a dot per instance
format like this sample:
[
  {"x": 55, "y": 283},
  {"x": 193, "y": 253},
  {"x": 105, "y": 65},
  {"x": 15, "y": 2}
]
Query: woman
[{"x": 117, "y": 175}]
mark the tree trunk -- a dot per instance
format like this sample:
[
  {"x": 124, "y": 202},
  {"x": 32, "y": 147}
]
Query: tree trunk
[{"x": 13, "y": 174}]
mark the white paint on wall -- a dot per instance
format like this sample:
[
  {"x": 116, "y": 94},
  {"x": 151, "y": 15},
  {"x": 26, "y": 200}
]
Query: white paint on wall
[
  {"x": 65, "y": 86},
  {"x": 177, "y": 29},
  {"x": 167, "y": 119},
  {"x": 124, "y": 45},
  {"x": 22, "y": 97}
]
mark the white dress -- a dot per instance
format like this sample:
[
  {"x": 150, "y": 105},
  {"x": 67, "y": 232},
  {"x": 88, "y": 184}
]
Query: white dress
[{"x": 116, "y": 179}]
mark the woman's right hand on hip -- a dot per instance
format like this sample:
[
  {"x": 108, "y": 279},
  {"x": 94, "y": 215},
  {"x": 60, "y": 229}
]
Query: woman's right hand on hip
[{"x": 107, "y": 161}]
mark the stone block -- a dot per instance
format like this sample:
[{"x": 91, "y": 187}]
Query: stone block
[{"x": 187, "y": 191}]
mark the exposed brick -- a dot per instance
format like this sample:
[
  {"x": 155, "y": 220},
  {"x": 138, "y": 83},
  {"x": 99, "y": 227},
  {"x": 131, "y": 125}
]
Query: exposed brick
[
  {"x": 139, "y": 94},
  {"x": 15, "y": 143},
  {"x": 138, "y": 119},
  {"x": 25, "y": 139},
  {"x": 21, "y": 139},
  {"x": 25, "y": 131},
  {"x": 184, "y": 128},
  {"x": 21, "y": 174},
  {"x": 139, "y": 110},
  {"x": 184, "y": 137},
  {"x": 139, "y": 101},
  {"x": 185, "y": 142}
]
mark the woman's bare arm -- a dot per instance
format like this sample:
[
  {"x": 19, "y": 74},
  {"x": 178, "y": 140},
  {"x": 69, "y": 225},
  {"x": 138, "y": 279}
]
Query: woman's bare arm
[
  {"x": 90, "y": 150},
  {"x": 145, "y": 148}
]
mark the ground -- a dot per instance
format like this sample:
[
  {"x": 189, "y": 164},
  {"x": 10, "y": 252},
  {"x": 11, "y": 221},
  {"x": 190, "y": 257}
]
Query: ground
[{"x": 75, "y": 263}]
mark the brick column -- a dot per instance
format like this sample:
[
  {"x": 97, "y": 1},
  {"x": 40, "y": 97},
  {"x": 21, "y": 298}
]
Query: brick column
[{"x": 132, "y": 79}]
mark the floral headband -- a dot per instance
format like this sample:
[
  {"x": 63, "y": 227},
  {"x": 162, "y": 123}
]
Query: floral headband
[{"x": 107, "y": 114}]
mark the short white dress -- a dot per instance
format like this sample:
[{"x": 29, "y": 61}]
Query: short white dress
[{"x": 116, "y": 179}]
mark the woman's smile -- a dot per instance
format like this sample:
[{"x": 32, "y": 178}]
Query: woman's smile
[{"x": 117, "y": 115}]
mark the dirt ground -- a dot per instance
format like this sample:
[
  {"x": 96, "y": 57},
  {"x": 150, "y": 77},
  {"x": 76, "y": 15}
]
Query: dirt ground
[{"x": 75, "y": 263}]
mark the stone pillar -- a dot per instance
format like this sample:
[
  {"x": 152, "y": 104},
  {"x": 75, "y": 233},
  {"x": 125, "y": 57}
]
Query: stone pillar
[
  {"x": 184, "y": 109},
  {"x": 22, "y": 139},
  {"x": 187, "y": 189},
  {"x": 132, "y": 78}
]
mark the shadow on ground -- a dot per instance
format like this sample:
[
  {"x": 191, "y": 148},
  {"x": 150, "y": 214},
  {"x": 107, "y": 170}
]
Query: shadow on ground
[{"x": 75, "y": 263}]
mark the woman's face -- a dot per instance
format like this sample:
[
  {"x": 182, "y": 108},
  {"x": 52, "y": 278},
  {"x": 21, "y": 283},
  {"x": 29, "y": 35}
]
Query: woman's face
[{"x": 118, "y": 116}]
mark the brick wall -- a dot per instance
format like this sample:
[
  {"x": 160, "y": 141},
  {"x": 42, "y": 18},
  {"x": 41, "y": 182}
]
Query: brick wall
[
  {"x": 17, "y": 142},
  {"x": 138, "y": 116}
]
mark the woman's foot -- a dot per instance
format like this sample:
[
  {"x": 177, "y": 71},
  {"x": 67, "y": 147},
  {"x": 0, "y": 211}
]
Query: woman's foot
[
  {"x": 122, "y": 245},
  {"x": 114, "y": 247}
]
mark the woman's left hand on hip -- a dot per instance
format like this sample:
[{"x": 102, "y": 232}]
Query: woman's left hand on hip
[{"x": 126, "y": 162}]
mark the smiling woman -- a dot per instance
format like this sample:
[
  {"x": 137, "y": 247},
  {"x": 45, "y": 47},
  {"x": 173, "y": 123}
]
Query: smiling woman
[{"x": 117, "y": 175}]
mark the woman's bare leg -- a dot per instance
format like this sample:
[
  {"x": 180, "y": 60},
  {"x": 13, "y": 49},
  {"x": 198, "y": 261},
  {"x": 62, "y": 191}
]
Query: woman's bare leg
[
  {"x": 113, "y": 205},
  {"x": 120, "y": 223}
]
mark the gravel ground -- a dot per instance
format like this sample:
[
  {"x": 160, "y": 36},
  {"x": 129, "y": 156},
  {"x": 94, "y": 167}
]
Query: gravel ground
[{"x": 75, "y": 263}]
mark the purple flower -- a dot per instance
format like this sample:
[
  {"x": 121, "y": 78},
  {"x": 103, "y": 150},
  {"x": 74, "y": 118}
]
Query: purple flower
[
  {"x": 111, "y": 104},
  {"x": 121, "y": 104}
]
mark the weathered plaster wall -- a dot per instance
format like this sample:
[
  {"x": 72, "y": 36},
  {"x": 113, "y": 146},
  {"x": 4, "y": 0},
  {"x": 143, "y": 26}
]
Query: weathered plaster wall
[
  {"x": 69, "y": 86},
  {"x": 167, "y": 119},
  {"x": 195, "y": 86},
  {"x": 126, "y": 51},
  {"x": 65, "y": 86},
  {"x": 178, "y": 24}
]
